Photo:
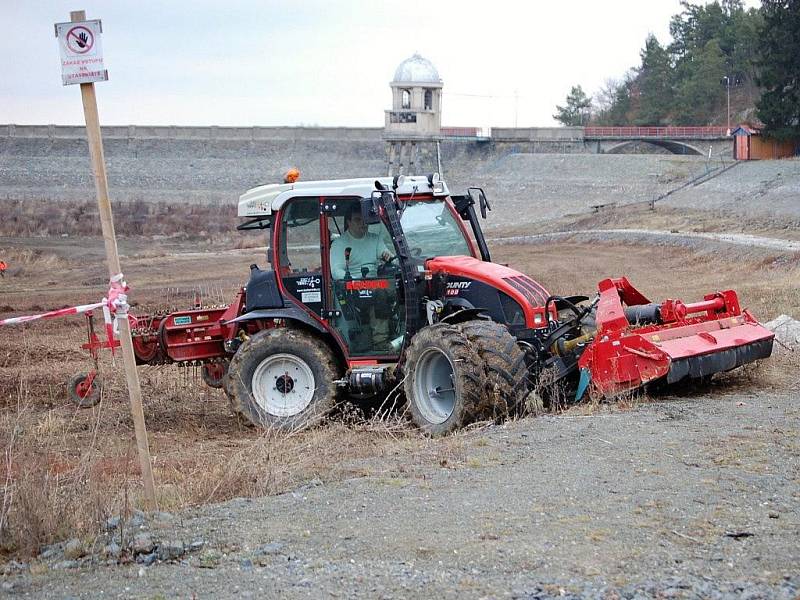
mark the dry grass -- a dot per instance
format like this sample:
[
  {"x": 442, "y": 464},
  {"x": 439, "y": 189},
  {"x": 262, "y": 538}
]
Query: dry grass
[
  {"x": 49, "y": 492},
  {"x": 43, "y": 218},
  {"x": 66, "y": 469},
  {"x": 33, "y": 258}
]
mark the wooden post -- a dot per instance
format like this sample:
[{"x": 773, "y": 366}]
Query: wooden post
[{"x": 112, "y": 256}]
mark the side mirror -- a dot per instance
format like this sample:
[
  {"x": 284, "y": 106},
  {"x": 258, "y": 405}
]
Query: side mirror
[
  {"x": 483, "y": 203},
  {"x": 369, "y": 209},
  {"x": 380, "y": 198}
]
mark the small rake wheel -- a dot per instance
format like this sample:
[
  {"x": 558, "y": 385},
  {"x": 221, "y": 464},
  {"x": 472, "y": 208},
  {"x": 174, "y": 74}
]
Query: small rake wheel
[
  {"x": 84, "y": 391},
  {"x": 146, "y": 348},
  {"x": 213, "y": 374}
]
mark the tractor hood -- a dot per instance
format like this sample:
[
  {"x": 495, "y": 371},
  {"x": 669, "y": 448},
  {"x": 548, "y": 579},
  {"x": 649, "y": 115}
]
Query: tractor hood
[{"x": 463, "y": 270}]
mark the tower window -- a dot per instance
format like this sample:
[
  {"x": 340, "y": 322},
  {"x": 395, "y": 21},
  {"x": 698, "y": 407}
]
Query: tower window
[
  {"x": 428, "y": 100},
  {"x": 406, "y": 99}
]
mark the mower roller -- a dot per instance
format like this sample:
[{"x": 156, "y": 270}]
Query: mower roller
[{"x": 381, "y": 284}]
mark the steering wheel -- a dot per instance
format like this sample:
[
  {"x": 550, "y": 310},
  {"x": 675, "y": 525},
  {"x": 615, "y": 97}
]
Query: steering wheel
[{"x": 386, "y": 267}]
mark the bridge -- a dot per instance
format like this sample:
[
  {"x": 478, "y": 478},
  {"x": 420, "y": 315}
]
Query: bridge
[
  {"x": 675, "y": 139},
  {"x": 597, "y": 140}
]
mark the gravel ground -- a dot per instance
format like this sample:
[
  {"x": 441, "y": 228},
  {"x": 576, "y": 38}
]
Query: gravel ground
[{"x": 687, "y": 498}]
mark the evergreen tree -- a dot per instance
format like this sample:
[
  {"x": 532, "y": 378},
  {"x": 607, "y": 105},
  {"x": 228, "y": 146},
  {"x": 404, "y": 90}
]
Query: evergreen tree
[
  {"x": 779, "y": 106},
  {"x": 654, "y": 83},
  {"x": 578, "y": 110},
  {"x": 681, "y": 83},
  {"x": 701, "y": 93},
  {"x": 742, "y": 47},
  {"x": 620, "y": 112}
]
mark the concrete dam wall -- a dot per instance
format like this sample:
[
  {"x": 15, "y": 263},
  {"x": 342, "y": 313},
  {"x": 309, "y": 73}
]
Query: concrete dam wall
[
  {"x": 546, "y": 177},
  {"x": 179, "y": 164},
  {"x": 213, "y": 164}
]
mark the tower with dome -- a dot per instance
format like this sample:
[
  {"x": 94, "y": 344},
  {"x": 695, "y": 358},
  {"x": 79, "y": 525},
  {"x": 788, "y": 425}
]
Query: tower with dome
[{"x": 413, "y": 124}]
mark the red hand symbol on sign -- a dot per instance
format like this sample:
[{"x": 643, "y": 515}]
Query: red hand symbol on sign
[{"x": 79, "y": 40}]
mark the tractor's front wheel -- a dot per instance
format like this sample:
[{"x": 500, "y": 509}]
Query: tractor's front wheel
[
  {"x": 444, "y": 380},
  {"x": 458, "y": 374},
  {"x": 283, "y": 379},
  {"x": 506, "y": 369}
]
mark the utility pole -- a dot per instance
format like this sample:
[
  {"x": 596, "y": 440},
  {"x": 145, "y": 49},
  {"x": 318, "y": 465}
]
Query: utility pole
[{"x": 728, "y": 91}]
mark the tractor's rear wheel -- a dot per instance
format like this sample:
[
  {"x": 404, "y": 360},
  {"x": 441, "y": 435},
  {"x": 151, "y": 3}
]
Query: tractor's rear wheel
[
  {"x": 444, "y": 380},
  {"x": 283, "y": 379}
]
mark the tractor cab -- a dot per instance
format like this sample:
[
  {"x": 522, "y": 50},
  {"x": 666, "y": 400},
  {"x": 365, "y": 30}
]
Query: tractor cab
[{"x": 340, "y": 268}]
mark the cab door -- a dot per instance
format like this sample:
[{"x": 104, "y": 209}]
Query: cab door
[
  {"x": 299, "y": 252},
  {"x": 366, "y": 300}
]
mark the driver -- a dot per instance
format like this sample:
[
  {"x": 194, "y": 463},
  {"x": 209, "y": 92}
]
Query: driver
[{"x": 357, "y": 248}]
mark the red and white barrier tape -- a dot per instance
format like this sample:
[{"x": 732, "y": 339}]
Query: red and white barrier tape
[
  {"x": 114, "y": 305},
  {"x": 73, "y": 310}
]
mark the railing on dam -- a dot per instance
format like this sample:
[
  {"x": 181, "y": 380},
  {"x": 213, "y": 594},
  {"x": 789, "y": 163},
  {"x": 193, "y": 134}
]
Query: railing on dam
[
  {"x": 550, "y": 135},
  {"x": 665, "y": 133}
]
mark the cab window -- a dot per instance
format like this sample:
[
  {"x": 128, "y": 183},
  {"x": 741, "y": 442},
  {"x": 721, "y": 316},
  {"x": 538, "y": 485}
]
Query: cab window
[{"x": 299, "y": 252}]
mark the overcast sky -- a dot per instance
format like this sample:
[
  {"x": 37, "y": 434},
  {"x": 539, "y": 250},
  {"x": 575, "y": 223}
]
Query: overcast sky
[{"x": 311, "y": 62}]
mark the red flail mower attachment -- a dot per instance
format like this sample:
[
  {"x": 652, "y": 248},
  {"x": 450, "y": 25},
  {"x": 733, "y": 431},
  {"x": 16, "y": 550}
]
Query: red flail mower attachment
[{"x": 681, "y": 340}]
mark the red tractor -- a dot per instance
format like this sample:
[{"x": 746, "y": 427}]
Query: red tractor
[{"x": 373, "y": 284}]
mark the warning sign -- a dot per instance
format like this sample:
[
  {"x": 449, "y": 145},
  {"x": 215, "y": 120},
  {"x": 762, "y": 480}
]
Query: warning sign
[{"x": 81, "y": 52}]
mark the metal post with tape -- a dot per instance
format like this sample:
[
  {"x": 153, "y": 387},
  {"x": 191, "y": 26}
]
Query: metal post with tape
[{"x": 82, "y": 63}]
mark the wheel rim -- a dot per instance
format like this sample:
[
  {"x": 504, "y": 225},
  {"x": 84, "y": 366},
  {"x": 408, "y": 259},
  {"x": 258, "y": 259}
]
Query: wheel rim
[
  {"x": 84, "y": 388},
  {"x": 283, "y": 385},
  {"x": 434, "y": 386}
]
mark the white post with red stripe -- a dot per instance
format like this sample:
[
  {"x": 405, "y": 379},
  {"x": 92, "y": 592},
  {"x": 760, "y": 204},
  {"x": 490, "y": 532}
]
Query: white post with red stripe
[{"x": 115, "y": 275}]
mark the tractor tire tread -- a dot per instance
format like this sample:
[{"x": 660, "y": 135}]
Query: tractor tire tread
[
  {"x": 468, "y": 371},
  {"x": 506, "y": 368}
]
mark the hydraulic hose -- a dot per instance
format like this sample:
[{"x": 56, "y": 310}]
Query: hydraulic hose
[{"x": 551, "y": 341}]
